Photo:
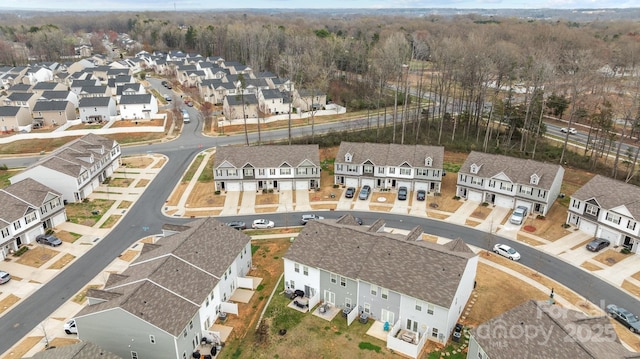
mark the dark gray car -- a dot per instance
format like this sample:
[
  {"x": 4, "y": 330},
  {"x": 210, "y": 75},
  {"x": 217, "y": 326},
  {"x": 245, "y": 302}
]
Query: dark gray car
[
  {"x": 625, "y": 317},
  {"x": 598, "y": 244},
  {"x": 402, "y": 193},
  {"x": 49, "y": 240}
]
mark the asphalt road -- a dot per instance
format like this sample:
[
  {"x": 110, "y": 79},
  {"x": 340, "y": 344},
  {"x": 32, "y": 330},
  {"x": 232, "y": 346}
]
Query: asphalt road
[{"x": 145, "y": 218}]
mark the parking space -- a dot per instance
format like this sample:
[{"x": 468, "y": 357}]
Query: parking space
[
  {"x": 401, "y": 207},
  {"x": 248, "y": 204},
  {"x": 418, "y": 208},
  {"x": 302, "y": 200},
  {"x": 285, "y": 203},
  {"x": 361, "y": 205},
  {"x": 232, "y": 198},
  {"x": 345, "y": 203}
]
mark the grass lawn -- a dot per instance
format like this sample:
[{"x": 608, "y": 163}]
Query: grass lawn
[{"x": 83, "y": 212}]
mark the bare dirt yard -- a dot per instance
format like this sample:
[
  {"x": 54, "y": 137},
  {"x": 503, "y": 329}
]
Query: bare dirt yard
[
  {"x": 203, "y": 195},
  {"x": 137, "y": 162}
]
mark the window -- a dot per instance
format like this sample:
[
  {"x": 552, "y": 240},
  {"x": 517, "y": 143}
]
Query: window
[
  {"x": 418, "y": 305},
  {"x": 285, "y": 171},
  {"x": 333, "y": 278},
  {"x": 348, "y": 157},
  {"x": 248, "y": 172},
  {"x": 476, "y": 180},
  {"x": 305, "y": 270},
  {"x": 631, "y": 225},
  {"x": 381, "y": 170},
  {"x": 374, "y": 290},
  {"x": 367, "y": 308},
  {"x": 152, "y": 339},
  {"x": 534, "y": 179},
  {"x": 591, "y": 209},
  {"x": 392, "y": 170},
  {"x": 134, "y": 355},
  {"x": 422, "y": 172},
  {"x": 339, "y": 168},
  {"x": 575, "y": 204},
  {"x": 542, "y": 193},
  {"x": 384, "y": 293},
  {"x": 405, "y": 171},
  {"x": 428, "y": 161},
  {"x": 296, "y": 268},
  {"x": 184, "y": 333},
  {"x": 261, "y": 172},
  {"x": 368, "y": 169},
  {"x": 30, "y": 217},
  {"x": 613, "y": 218},
  {"x": 272, "y": 171},
  {"x": 5, "y": 232},
  {"x": 430, "y": 309},
  {"x": 526, "y": 190},
  {"x": 352, "y": 168},
  {"x": 17, "y": 225},
  {"x": 434, "y": 332},
  {"x": 475, "y": 168},
  {"x": 191, "y": 324},
  {"x": 343, "y": 281}
]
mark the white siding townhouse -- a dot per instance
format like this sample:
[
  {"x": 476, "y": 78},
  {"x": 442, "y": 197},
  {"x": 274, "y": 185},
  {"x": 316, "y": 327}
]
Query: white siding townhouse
[
  {"x": 272, "y": 102},
  {"x": 97, "y": 109},
  {"x": 77, "y": 168},
  {"x": 257, "y": 168},
  {"x": 509, "y": 182},
  {"x": 28, "y": 209},
  {"x": 417, "y": 289},
  {"x": 232, "y": 106},
  {"x": 138, "y": 106},
  {"x": 167, "y": 300},
  {"x": 609, "y": 209},
  {"x": 389, "y": 166},
  {"x": 542, "y": 330}
]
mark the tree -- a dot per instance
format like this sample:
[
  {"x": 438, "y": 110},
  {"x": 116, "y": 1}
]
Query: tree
[{"x": 242, "y": 86}]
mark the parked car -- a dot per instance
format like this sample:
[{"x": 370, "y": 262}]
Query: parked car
[
  {"x": 169, "y": 86},
  {"x": 364, "y": 192},
  {"x": 625, "y": 317},
  {"x": 309, "y": 217},
  {"x": 164, "y": 83},
  {"x": 402, "y": 193},
  {"x": 571, "y": 130},
  {"x": 359, "y": 221},
  {"x": 421, "y": 195},
  {"x": 188, "y": 102},
  {"x": 518, "y": 215},
  {"x": 4, "y": 277},
  {"x": 70, "y": 327},
  {"x": 237, "y": 225},
  {"x": 167, "y": 97},
  {"x": 49, "y": 240},
  {"x": 506, "y": 251},
  {"x": 349, "y": 192},
  {"x": 262, "y": 223},
  {"x": 598, "y": 244}
]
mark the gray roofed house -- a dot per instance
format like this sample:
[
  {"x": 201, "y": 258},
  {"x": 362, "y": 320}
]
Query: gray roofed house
[
  {"x": 19, "y": 88},
  {"x": 82, "y": 350},
  {"x": 187, "y": 275},
  {"x": 277, "y": 167},
  {"x": 389, "y": 166},
  {"x": 143, "y": 106},
  {"x": 23, "y": 99},
  {"x": 233, "y": 107},
  {"x": 54, "y": 113},
  {"x": 541, "y": 330},
  {"x": 97, "y": 109},
  {"x": 34, "y": 207},
  {"x": 272, "y": 102},
  {"x": 597, "y": 209},
  {"x": 310, "y": 99},
  {"x": 77, "y": 167},
  {"x": 509, "y": 182},
  {"x": 94, "y": 91},
  {"x": 14, "y": 118},
  {"x": 390, "y": 277},
  {"x": 59, "y": 95}
]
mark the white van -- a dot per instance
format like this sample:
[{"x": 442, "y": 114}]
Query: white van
[{"x": 185, "y": 116}]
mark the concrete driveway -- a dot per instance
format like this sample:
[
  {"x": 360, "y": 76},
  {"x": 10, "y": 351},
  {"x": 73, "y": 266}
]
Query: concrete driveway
[
  {"x": 248, "y": 205},
  {"x": 361, "y": 205},
  {"x": 418, "y": 208},
  {"x": 401, "y": 207},
  {"x": 232, "y": 198},
  {"x": 344, "y": 203},
  {"x": 286, "y": 201},
  {"x": 302, "y": 200}
]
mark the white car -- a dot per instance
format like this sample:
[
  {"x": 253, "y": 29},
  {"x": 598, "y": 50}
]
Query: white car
[
  {"x": 262, "y": 223},
  {"x": 70, "y": 327},
  {"x": 571, "y": 130},
  {"x": 518, "y": 215},
  {"x": 506, "y": 251}
]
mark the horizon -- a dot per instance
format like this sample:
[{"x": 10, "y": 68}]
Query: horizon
[{"x": 293, "y": 5}]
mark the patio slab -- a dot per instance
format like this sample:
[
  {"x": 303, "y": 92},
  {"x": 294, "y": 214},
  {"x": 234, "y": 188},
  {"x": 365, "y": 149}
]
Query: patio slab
[
  {"x": 224, "y": 331},
  {"x": 242, "y": 295},
  {"x": 329, "y": 314},
  {"x": 377, "y": 331}
]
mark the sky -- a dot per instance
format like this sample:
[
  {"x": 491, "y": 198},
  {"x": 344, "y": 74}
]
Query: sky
[{"x": 161, "y": 5}]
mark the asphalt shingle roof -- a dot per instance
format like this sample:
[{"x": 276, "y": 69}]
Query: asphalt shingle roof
[
  {"x": 381, "y": 154},
  {"x": 135, "y": 99},
  {"x": 82, "y": 350},
  {"x": 237, "y": 100},
  {"x": 270, "y": 156},
  {"x": 517, "y": 169},
  {"x": 50, "y": 106},
  {"x": 55, "y": 95},
  {"x": 30, "y": 191},
  {"x": 94, "y": 102},
  {"x": 610, "y": 193},
  {"x": 541, "y": 330},
  {"x": 423, "y": 270},
  {"x": 9, "y": 111}
]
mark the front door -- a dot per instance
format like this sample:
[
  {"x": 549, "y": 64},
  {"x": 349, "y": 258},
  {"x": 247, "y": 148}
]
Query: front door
[{"x": 329, "y": 297}]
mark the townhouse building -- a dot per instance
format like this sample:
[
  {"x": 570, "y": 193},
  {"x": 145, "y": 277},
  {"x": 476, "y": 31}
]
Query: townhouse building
[
  {"x": 608, "y": 208},
  {"x": 277, "y": 167},
  {"x": 77, "y": 168},
  {"x": 28, "y": 209},
  {"x": 168, "y": 299},
  {"x": 378, "y": 165},
  {"x": 417, "y": 288},
  {"x": 509, "y": 182}
]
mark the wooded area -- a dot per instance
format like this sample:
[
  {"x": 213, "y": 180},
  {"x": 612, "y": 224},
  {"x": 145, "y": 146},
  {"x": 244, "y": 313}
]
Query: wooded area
[{"x": 469, "y": 81}]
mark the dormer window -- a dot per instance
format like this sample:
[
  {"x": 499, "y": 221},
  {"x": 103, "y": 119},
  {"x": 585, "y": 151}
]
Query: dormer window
[
  {"x": 535, "y": 179},
  {"x": 475, "y": 168},
  {"x": 348, "y": 157},
  {"x": 428, "y": 162}
]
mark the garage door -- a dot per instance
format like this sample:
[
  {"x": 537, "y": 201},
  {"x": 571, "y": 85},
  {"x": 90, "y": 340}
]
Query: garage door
[
  {"x": 285, "y": 185},
  {"x": 368, "y": 181},
  {"x": 475, "y": 196},
  {"x": 421, "y": 185},
  {"x": 232, "y": 186},
  {"x": 504, "y": 201},
  {"x": 588, "y": 227},
  {"x": 302, "y": 184},
  {"x": 525, "y": 204},
  {"x": 405, "y": 184},
  {"x": 351, "y": 182},
  {"x": 249, "y": 186},
  {"x": 609, "y": 234}
]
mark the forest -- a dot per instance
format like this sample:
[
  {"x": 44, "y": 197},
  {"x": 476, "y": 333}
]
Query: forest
[{"x": 468, "y": 82}]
